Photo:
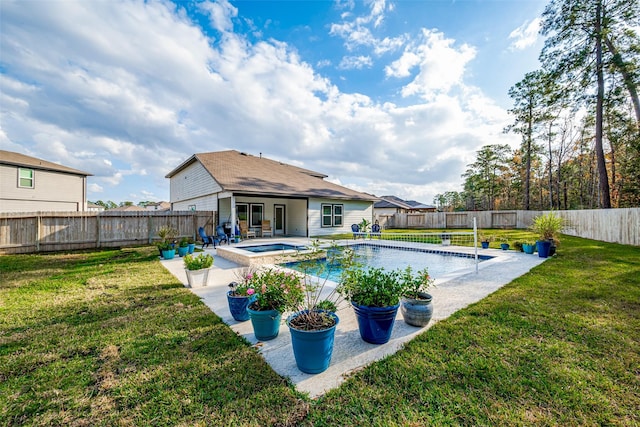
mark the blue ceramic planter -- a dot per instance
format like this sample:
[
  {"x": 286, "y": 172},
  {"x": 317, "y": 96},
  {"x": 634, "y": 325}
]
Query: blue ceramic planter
[
  {"x": 238, "y": 306},
  {"x": 485, "y": 245},
  {"x": 543, "y": 248},
  {"x": 312, "y": 349},
  {"x": 169, "y": 254},
  {"x": 191, "y": 248},
  {"x": 375, "y": 323},
  {"x": 183, "y": 250},
  {"x": 504, "y": 246},
  {"x": 266, "y": 324},
  {"x": 528, "y": 249}
]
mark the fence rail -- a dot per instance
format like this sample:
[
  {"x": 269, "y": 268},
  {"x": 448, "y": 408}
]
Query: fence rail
[
  {"x": 608, "y": 225},
  {"x": 56, "y": 231}
]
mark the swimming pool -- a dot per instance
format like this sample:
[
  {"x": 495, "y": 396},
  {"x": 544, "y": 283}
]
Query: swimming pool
[
  {"x": 438, "y": 262},
  {"x": 271, "y": 247}
]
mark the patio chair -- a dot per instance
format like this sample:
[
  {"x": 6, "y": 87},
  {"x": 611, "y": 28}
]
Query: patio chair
[
  {"x": 206, "y": 240},
  {"x": 266, "y": 228},
  {"x": 220, "y": 236},
  {"x": 355, "y": 228},
  {"x": 244, "y": 230},
  {"x": 375, "y": 231}
]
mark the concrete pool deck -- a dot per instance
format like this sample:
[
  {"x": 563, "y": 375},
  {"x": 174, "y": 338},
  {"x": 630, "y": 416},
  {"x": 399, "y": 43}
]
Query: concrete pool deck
[{"x": 351, "y": 353}]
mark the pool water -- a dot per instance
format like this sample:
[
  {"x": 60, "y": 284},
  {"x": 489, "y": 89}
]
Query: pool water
[
  {"x": 439, "y": 263},
  {"x": 274, "y": 247}
]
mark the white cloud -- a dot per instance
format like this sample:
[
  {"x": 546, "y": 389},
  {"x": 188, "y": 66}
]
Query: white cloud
[
  {"x": 94, "y": 188},
  {"x": 355, "y": 62},
  {"x": 440, "y": 65},
  {"x": 525, "y": 35},
  {"x": 132, "y": 89}
]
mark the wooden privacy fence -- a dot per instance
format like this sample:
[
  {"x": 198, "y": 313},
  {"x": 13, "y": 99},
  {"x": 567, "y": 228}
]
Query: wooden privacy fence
[
  {"x": 57, "y": 231},
  {"x": 608, "y": 225}
]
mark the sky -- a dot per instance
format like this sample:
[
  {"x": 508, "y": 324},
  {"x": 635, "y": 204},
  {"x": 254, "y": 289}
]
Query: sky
[{"x": 384, "y": 97}]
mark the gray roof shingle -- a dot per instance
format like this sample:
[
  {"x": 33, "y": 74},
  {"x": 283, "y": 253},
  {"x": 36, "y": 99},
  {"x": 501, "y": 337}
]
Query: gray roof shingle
[{"x": 244, "y": 173}]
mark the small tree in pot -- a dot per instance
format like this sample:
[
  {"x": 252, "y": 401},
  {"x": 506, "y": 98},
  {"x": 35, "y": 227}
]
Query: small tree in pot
[{"x": 548, "y": 228}]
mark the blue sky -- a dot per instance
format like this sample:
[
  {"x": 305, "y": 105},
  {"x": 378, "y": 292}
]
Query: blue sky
[{"x": 386, "y": 97}]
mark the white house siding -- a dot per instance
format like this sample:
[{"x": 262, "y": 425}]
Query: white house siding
[
  {"x": 354, "y": 212},
  {"x": 53, "y": 191},
  {"x": 193, "y": 186},
  {"x": 385, "y": 211}
]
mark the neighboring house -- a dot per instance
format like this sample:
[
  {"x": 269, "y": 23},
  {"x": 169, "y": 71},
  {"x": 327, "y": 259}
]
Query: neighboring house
[
  {"x": 240, "y": 186},
  {"x": 420, "y": 207},
  {"x": 28, "y": 184},
  {"x": 158, "y": 206},
  {"x": 92, "y": 207},
  {"x": 390, "y": 205},
  {"x": 128, "y": 208}
]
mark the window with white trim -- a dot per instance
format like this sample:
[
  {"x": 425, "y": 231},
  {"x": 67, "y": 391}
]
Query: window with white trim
[
  {"x": 25, "y": 178},
  {"x": 331, "y": 215},
  {"x": 256, "y": 215}
]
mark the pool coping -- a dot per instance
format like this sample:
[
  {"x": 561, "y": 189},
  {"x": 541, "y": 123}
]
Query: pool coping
[{"x": 350, "y": 352}]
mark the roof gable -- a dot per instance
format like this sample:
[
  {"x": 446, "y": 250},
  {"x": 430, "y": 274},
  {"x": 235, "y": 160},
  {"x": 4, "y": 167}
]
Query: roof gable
[{"x": 21, "y": 160}]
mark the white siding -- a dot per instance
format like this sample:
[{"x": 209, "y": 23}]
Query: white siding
[
  {"x": 52, "y": 191},
  {"x": 385, "y": 211},
  {"x": 354, "y": 212},
  {"x": 206, "y": 203},
  {"x": 193, "y": 186}
]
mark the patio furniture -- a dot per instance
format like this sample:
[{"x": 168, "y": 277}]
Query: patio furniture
[
  {"x": 355, "y": 228},
  {"x": 206, "y": 240},
  {"x": 221, "y": 236},
  {"x": 266, "y": 228},
  {"x": 375, "y": 231},
  {"x": 244, "y": 230}
]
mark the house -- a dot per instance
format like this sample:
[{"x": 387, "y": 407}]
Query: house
[
  {"x": 128, "y": 208},
  {"x": 390, "y": 205},
  {"x": 29, "y": 184},
  {"x": 243, "y": 187},
  {"x": 92, "y": 207},
  {"x": 158, "y": 206}
]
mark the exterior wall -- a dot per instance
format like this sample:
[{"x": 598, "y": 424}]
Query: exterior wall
[
  {"x": 385, "y": 211},
  {"x": 193, "y": 186},
  {"x": 53, "y": 191},
  {"x": 354, "y": 212}
]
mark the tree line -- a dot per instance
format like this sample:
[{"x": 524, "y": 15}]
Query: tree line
[{"x": 578, "y": 117}]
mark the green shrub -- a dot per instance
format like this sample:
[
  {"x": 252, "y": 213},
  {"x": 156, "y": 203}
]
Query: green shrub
[{"x": 197, "y": 262}]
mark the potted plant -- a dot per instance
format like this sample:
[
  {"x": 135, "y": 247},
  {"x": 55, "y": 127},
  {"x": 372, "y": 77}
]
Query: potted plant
[
  {"x": 547, "y": 227},
  {"x": 484, "y": 240},
  {"x": 528, "y": 247},
  {"x": 312, "y": 326},
  {"x": 415, "y": 303},
  {"x": 375, "y": 295},
  {"x": 183, "y": 247},
  {"x": 504, "y": 243},
  {"x": 191, "y": 245},
  {"x": 276, "y": 292},
  {"x": 167, "y": 251},
  {"x": 167, "y": 235},
  {"x": 197, "y": 269},
  {"x": 241, "y": 294},
  {"x": 518, "y": 246}
]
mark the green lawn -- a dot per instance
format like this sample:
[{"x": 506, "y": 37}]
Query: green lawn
[{"x": 111, "y": 338}]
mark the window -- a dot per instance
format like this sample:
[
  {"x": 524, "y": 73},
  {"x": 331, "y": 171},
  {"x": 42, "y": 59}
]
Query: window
[
  {"x": 25, "y": 178},
  {"x": 332, "y": 215},
  {"x": 242, "y": 212},
  {"x": 256, "y": 215}
]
